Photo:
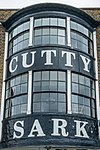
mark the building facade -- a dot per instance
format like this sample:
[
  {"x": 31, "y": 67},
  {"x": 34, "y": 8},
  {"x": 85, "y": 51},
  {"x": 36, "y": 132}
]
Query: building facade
[{"x": 50, "y": 92}]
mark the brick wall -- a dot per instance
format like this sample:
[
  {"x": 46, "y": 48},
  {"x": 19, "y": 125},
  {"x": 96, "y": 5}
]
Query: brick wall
[{"x": 5, "y": 14}]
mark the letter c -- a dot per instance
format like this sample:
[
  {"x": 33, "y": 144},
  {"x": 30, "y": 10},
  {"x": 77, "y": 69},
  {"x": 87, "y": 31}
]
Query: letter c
[{"x": 10, "y": 65}]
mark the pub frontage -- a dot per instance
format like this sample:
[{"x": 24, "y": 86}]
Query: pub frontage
[{"x": 50, "y": 94}]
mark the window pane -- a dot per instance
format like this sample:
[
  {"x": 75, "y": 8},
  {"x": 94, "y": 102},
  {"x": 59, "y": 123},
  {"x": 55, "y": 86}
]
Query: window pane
[
  {"x": 44, "y": 107},
  {"x": 61, "y": 22},
  {"x": 53, "y": 86},
  {"x": 61, "y": 40},
  {"x": 74, "y": 87},
  {"x": 36, "y": 107},
  {"x": 61, "y": 32},
  {"x": 45, "y": 75},
  {"x": 61, "y": 97},
  {"x": 45, "y": 39},
  {"x": 37, "y": 22},
  {"x": 45, "y": 31},
  {"x": 45, "y": 97},
  {"x": 61, "y": 86},
  {"x": 53, "y": 31},
  {"x": 36, "y": 97},
  {"x": 37, "y": 76},
  {"x": 53, "y": 97},
  {"x": 37, "y": 32},
  {"x": 45, "y": 86},
  {"x": 53, "y": 106},
  {"x": 53, "y": 39},
  {"x": 37, "y": 40},
  {"x": 61, "y": 76},
  {"x": 45, "y": 21},
  {"x": 74, "y": 77},
  {"x": 53, "y": 75},
  {"x": 61, "y": 107},
  {"x": 53, "y": 21},
  {"x": 36, "y": 86},
  {"x": 75, "y": 99},
  {"x": 74, "y": 108}
]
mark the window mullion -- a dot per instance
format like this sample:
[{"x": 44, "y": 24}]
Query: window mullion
[
  {"x": 31, "y": 32},
  {"x": 29, "y": 93},
  {"x": 68, "y": 32},
  {"x": 69, "y": 108}
]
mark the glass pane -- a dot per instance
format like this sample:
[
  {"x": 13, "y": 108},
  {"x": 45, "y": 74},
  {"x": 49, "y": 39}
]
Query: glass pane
[
  {"x": 45, "y": 97},
  {"x": 87, "y": 90},
  {"x": 73, "y": 25},
  {"x": 61, "y": 40},
  {"x": 37, "y": 40},
  {"x": 61, "y": 32},
  {"x": 87, "y": 81},
  {"x": 25, "y": 43},
  {"x": 53, "y": 31},
  {"x": 26, "y": 25},
  {"x": 53, "y": 21},
  {"x": 23, "y": 99},
  {"x": 74, "y": 77},
  {"x": 18, "y": 80},
  {"x": 37, "y": 32},
  {"x": 36, "y": 107},
  {"x": 36, "y": 97},
  {"x": 15, "y": 48},
  {"x": 53, "y": 97},
  {"x": 36, "y": 86},
  {"x": 53, "y": 39},
  {"x": 45, "y": 31},
  {"x": 17, "y": 89},
  {"x": 45, "y": 86},
  {"x": 74, "y": 108},
  {"x": 61, "y": 76},
  {"x": 23, "y": 108},
  {"x": 82, "y": 89},
  {"x": 81, "y": 109},
  {"x": 37, "y": 22},
  {"x": 62, "y": 107},
  {"x": 24, "y": 88},
  {"x": 53, "y": 75},
  {"x": 61, "y": 97},
  {"x": 61, "y": 22},
  {"x": 81, "y": 100},
  {"x": 74, "y": 43},
  {"x": 24, "y": 78},
  {"x": 45, "y": 75},
  {"x": 81, "y": 79},
  {"x": 53, "y": 86},
  {"x": 75, "y": 99},
  {"x": 53, "y": 106},
  {"x": 87, "y": 111},
  {"x": 61, "y": 86},
  {"x": 26, "y": 35},
  {"x": 20, "y": 46},
  {"x": 87, "y": 101},
  {"x": 74, "y": 88},
  {"x": 45, "y": 39},
  {"x": 37, "y": 76},
  {"x": 45, "y": 21},
  {"x": 44, "y": 107}
]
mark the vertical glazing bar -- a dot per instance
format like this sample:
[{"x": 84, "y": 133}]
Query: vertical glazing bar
[
  {"x": 29, "y": 92},
  {"x": 68, "y": 32},
  {"x": 31, "y": 32},
  {"x": 97, "y": 84},
  {"x": 3, "y": 85},
  {"x": 69, "y": 108}
]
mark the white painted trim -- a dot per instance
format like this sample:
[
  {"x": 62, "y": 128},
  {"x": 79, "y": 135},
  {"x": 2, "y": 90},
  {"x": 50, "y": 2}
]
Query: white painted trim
[
  {"x": 29, "y": 93},
  {"x": 69, "y": 108},
  {"x": 97, "y": 84},
  {"x": 31, "y": 32},
  {"x": 96, "y": 73},
  {"x": 3, "y": 85},
  {"x": 68, "y": 32}
]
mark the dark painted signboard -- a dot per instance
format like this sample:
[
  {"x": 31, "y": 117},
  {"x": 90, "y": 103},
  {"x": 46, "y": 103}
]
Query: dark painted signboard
[{"x": 50, "y": 129}]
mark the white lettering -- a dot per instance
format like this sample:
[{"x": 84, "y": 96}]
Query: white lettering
[
  {"x": 18, "y": 129},
  {"x": 36, "y": 128},
  {"x": 62, "y": 127},
  {"x": 68, "y": 58},
  {"x": 10, "y": 65},
  {"x": 86, "y": 62},
  {"x": 24, "y": 59},
  {"x": 80, "y": 129},
  {"x": 48, "y": 56}
]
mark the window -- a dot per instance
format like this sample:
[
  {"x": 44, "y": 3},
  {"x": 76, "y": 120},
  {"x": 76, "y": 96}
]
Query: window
[
  {"x": 49, "y": 31},
  {"x": 16, "y": 95},
  {"x": 83, "y": 95},
  {"x": 49, "y": 91},
  {"x": 81, "y": 38},
  {"x": 19, "y": 38}
]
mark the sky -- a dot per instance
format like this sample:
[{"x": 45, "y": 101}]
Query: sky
[{"x": 16, "y": 4}]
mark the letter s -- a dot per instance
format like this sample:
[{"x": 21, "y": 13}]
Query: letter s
[{"x": 18, "y": 129}]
